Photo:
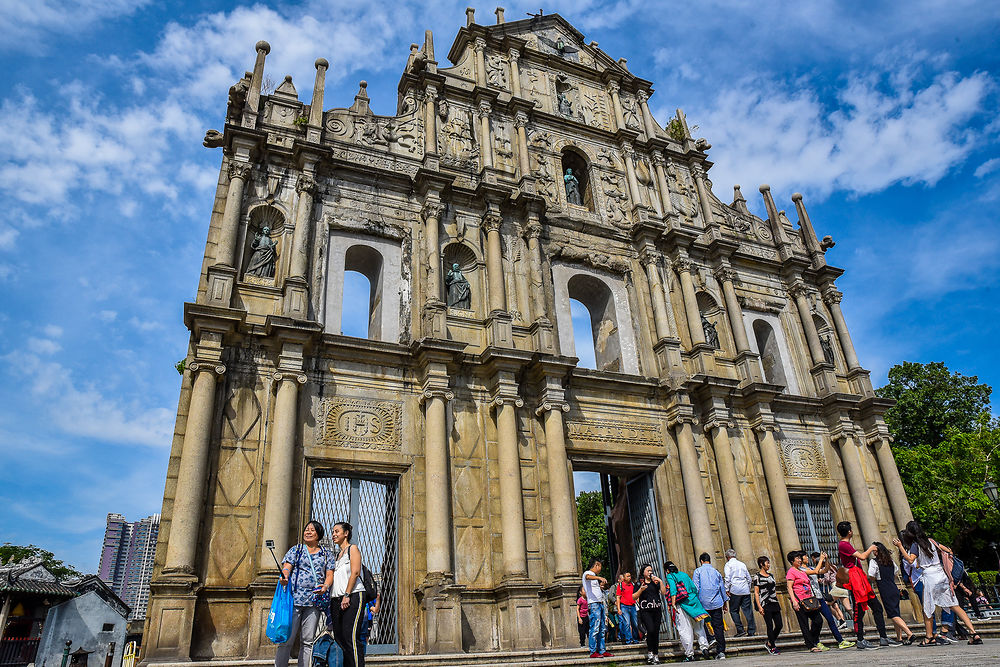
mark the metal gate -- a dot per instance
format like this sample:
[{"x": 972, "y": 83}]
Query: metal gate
[
  {"x": 814, "y": 524},
  {"x": 646, "y": 533},
  {"x": 370, "y": 506}
]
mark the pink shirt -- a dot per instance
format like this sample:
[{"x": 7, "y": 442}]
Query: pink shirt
[{"x": 800, "y": 583}]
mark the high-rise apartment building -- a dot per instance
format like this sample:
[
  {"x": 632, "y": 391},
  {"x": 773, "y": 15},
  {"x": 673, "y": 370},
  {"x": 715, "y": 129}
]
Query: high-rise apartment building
[{"x": 127, "y": 559}]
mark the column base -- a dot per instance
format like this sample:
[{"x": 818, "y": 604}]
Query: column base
[
  {"x": 170, "y": 619},
  {"x": 221, "y": 279},
  {"x": 296, "y": 298},
  {"x": 543, "y": 335},
  {"x": 668, "y": 357},
  {"x": 520, "y": 615},
  {"x": 441, "y": 601},
  {"x": 559, "y": 613},
  {"x": 860, "y": 382},
  {"x": 703, "y": 356},
  {"x": 435, "y": 319},
  {"x": 527, "y": 184},
  {"x": 261, "y": 594},
  {"x": 500, "y": 327},
  {"x": 824, "y": 379},
  {"x": 748, "y": 364}
]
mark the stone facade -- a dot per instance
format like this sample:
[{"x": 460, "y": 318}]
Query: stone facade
[{"x": 725, "y": 368}]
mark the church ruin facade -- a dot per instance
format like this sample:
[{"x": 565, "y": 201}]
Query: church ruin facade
[{"x": 528, "y": 174}]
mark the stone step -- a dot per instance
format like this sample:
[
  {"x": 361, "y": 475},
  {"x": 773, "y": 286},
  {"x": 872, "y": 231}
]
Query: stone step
[{"x": 790, "y": 641}]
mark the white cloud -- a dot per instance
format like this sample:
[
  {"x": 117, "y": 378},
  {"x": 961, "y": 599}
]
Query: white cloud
[
  {"x": 82, "y": 410},
  {"x": 24, "y": 25},
  {"x": 877, "y": 132},
  {"x": 987, "y": 167},
  {"x": 53, "y": 331},
  {"x": 107, "y": 315},
  {"x": 43, "y": 346},
  {"x": 8, "y": 236},
  {"x": 145, "y": 325}
]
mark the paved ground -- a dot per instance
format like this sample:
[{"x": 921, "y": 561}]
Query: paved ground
[{"x": 961, "y": 655}]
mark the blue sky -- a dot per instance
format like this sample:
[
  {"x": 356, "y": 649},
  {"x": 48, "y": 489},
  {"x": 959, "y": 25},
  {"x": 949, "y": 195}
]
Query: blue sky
[{"x": 882, "y": 115}]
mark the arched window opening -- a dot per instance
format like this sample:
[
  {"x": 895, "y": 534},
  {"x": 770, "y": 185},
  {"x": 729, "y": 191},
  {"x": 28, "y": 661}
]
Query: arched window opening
[
  {"x": 599, "y": 302},
  {"x": 583, "y": 336},
  {"x": 770, "y": 355},
  {"x": 367, "y": 262},
  {"x": 576, "y": 179}
]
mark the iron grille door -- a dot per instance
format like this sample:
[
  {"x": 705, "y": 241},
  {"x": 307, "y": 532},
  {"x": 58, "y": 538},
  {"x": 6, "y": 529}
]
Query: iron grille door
[
  {"x": 646, "y": 532},
  {"x": 814, "y": 524},
  {"x": 370, "y": 506}
]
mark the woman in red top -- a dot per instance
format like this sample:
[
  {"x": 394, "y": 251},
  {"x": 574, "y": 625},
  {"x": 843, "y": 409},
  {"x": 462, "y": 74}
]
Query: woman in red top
[
  {"x": 582, "y": 616},
  {"x": 799, "y": 589}
]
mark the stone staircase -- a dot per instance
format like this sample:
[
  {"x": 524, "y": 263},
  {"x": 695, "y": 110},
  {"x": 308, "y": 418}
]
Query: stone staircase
[{"x": 789, "y": 641}]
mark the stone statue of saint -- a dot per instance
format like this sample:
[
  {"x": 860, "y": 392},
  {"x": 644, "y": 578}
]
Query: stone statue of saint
[
  {"x": 264, "y": 255},
  {"x": 711, "y": 334},
  {"x": 565, "y": 106},
  {"x": 572, "y": 188},
  {"x": 459, "y": 293},
  {"x": 827, "y": 346}
]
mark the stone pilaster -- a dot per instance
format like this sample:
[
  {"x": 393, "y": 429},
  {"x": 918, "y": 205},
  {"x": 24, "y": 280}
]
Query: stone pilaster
[
  {"x": 479, "y": 48},
  {"x": 832, "y": 297},
  {"x": 521, "y": 124},
  {"x": 894, "y": 491},
  {"x": 850, "y": 456},
  {"x": 222, "y": 276},
  {"x": 732, "y": 498},
  {"x": 483, "y": 111},
  {"x": 747, "y": 361},
  {"x": 628, "y": 157},
  {"x": 693, "y": 314},
  {"x": 430, "y": 120},
  {"x": 659, "y": 164},
  {"x": 560, "y": 497},
  {"x": 296, "y": 290},
  {"x": 616, "y": 104},
  {"x": 774, "y": 473},
  {"x": 514, "y": 56},
  {"x": 694, "y": 491}
]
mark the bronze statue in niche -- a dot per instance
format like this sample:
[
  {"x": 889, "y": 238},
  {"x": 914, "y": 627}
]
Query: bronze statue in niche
[{"x": 459, "y": 292}]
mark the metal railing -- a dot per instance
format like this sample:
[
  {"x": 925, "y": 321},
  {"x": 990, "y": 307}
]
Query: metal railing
[{"x": 18, "y": 651}]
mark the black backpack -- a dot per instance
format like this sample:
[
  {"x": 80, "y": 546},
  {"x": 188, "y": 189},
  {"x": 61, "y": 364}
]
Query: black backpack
[{"x": 368, "y": 581}]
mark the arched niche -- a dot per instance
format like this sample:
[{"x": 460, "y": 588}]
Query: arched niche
[
  {"x": 575, "y": 160},
  {"x": 273, "y": 220},
  {"x": 606, "y": 300},
  {"x": 712, "y": 319},
  {"x": 826, "y": 338},
  {"x": 469, "y": 264},
  {"x": 770, "y": 353},
  {"x": 378, "y": 260}
]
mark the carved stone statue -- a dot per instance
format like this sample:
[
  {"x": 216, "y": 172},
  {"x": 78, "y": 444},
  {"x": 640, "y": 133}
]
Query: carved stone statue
[
  {"x": 711, "y": 334},
  {"x": 265, "y": 252},
  {"x": 565, "y": 106},
  {"x": 459, "y": 292},
  {"x": 572, "y": 188},
  {"x": 827, "y": 346}
]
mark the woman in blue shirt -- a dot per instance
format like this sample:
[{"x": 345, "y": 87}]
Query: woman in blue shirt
[{"x": 308, "y": 567}]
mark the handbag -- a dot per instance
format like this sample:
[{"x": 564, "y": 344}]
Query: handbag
[
  {"x": 279, "y": 620},
  {"x": 810, "y": 603}
]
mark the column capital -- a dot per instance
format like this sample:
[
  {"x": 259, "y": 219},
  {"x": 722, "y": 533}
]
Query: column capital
[
  {"x": 546, "y": 406},
  {"x": 832, "y": 295},
  {"x": 627, "y": 150},
  {"x": 514, "y": 54},
  {"x": 432, "y": 208},
  {"x": 282, "y": 375},
  {"x": 479, "y": 44},
  {"x": 240, "y": 170},
  {"x": 484, "y": 109},
  {"x": 798, "y": 288},
  {"x": 306, "y": 183},
  {"x": 521, "y": 119},
  {"x": 649, "y": 255},
  {"x": 713, "y": 424},
  {"x": 658, "y": 159},
  {"x": 431, "y": 92},
  {"x": 499, "y": 400},
  {"x": 532, "y": 230},
  {"x": 683, "y": 264},
  {"x": 492, "y": 221},
  {"x": 727, "y": 274},
  {"x": 436, "y": 392},
  {"x": 642, "y": 95},
  {"x": 613, "y": 87},
  {"x": 215, "y": 368},
  {"x": 697, "y": 170}
]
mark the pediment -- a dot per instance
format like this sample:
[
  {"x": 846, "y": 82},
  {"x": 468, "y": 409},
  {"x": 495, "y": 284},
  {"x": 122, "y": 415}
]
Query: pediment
[{"x": 552, "y": 35}]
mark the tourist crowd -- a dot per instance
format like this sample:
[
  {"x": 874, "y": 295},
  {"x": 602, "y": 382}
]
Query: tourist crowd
[{"x": 821, "y": 590}]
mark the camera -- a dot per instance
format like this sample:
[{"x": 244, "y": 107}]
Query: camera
[{"x": 269, "y": 544}]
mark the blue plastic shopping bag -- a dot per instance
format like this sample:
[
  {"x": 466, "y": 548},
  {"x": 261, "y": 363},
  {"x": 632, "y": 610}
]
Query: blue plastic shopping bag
[{"x": 279, "y": 621}]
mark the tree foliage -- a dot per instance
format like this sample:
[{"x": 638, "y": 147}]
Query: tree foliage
[
  {"x": 946, "y": 447},
  {"x": 12, "y": 553},
  {"x": 930, "y": 400},
  {"x": 593, "y": 529}
]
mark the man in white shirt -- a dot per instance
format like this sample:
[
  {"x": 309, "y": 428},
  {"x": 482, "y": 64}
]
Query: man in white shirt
[
  {"x": 738, "y": 587},
  {"x": 592, "y": 583}
]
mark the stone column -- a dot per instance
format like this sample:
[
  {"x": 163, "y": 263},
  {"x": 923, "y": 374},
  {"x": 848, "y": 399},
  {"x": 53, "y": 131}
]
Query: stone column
[
  {"x": 192, "y": 474},
  {"x": 306, "y": 188},
  {"x": 532, "y": 232},
  {"x": 728, "y": 277},
  {"x": 436, "y": 482},
  {"x": 777, "y": 491},
  {"x": 808, "y": 233},
  {"x": 494, "y": 262},
  {"x": 660, "y": 320},
  {"x": 647, "y": 117},
  {"x": 225, "y": 251},
  {"x": 699, "y": 183},
  {"x": 832, "y": 297},
  {"x": 560, "y": 496},
  {"x": 486, "y": 141},
  {"x": 616, "y": 104},
  {"x": 690, "y": 301},
  {"x": 281, "y": 465},
  {"x": 798, "y": 290},
  {"x": 430, "y": 121},
  {"x": 316, "y": 106},
  {"x": 694, "y": 490},
  {"x": 515, "y": 563},
  {"x": 256, "y": 79},
  {"x": 479, "y": 47},
  {"x": 515, "y": 72},
  {"x": 431, "y": 212},
  {"x": 736, "y": 517},
  {"x": 864, "y": 511},
  {"x": 661, "y": 181},
  {"x": 894, "y": 490},
  {"x": 521, "y": 123},
  {"x": 628, "y": 153}
]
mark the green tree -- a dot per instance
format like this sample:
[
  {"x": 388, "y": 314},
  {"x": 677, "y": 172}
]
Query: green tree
[
  {"x": 930, "y": 399},
  {"x": 12, "y": 553},
  {"x": 593, "y": 530}
]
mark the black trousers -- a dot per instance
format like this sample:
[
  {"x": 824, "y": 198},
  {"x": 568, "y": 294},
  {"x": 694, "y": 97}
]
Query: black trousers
[
  {"x": 718, "y": 628},
  {"x": 811, "y": 623},
  {"x": 650, "y": 620},
  {"x": 583, "y": 627},
  {"x": 772, "y": 619},
  {"x": 859, "y": 616},
  {"x": 347, "y": 627}
]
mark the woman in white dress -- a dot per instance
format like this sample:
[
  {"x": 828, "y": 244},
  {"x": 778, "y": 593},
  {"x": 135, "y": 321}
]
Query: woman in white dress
[{"x": 925, "y": 553}]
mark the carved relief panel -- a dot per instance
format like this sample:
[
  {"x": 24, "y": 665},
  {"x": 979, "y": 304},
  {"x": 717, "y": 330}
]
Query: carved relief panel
[{"x": 360, "y": 423}]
